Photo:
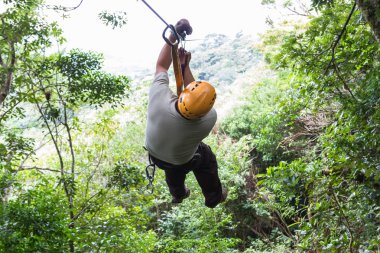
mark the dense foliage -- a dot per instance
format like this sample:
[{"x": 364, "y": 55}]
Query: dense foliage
[
  {"x": 300, "y": 157},
  {"x": 322, "y": 136}
]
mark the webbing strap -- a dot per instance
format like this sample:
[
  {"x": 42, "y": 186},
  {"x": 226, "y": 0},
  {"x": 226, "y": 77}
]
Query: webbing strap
[{"x": 177, "y": 69}]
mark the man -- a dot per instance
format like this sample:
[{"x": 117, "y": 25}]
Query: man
[{"x": 177, "y": 126}]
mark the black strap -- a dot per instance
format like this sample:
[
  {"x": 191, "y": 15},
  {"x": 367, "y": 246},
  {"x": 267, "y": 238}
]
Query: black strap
[
  {"x": 151, "y": 168},
  {"x": 190, "y": 165}
]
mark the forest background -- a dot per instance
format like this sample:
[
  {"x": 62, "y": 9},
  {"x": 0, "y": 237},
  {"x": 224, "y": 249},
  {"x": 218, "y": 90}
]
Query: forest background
[{"x": 297, "y": 139}]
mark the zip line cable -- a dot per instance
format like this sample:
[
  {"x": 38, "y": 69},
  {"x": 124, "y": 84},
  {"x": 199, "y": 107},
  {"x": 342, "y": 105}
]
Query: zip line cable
[
  {"x": 163, "y": 20},
  {"x": 180, "y": 38},
  {"x": 168, "y": 26},
  {"x": 171, "y": 27}
]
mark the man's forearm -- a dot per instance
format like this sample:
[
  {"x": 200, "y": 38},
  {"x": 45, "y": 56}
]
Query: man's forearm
[
  {"x": 165, "y": 57},
  {"x": 187, "y": 75}
]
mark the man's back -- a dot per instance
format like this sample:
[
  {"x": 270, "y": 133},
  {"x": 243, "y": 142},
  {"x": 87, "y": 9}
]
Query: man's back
[{"x": 169, "y": 136}]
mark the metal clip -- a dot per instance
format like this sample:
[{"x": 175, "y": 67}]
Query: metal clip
[
  {"x": 150, "y": 170},
  {"x": 177, "y": 36}
]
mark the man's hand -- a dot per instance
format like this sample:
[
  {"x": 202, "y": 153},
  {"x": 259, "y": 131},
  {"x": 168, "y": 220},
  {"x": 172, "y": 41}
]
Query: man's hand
[
  {"x": 182, "y": 26},
  {"x": 164, "y": 60},
  {"x": 184, "y": 57}
]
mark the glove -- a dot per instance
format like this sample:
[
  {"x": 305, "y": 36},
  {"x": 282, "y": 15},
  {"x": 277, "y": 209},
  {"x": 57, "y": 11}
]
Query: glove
[{"x": 183, "y": 28}]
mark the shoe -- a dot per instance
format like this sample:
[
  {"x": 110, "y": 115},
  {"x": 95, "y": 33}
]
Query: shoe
[
  {"x": 179, "y": 200},
  {"x": 224, "y": 195}
]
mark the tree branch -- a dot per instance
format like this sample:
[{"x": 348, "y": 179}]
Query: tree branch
[
  {"x": 296, "y": 12},
  {"x": 10, "y": 109},
  {"x": 57, "y": 150},
  {"x": 261, "y": 235},
  {"x": 347, "y": 224},
  {"x": 339, "y": 37},
  {"x": 23, "y": 168},
  {"x": 85, "y": 206},
  {"x": 282, "y": 224},
  {"x": 94, "y": 171},
  {"x": 27, "y": 157},
  {"x": 64, "y": 8},
  {"x": 2, "y": 61},
  {"x": 68, "y": 130},
  {"x": 345, "y": 85}
]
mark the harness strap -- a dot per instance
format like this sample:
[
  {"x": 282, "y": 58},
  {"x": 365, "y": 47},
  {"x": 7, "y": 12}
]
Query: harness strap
[
  {"x": 177, "y": 69},
  {"x": 153, "y": 162}
]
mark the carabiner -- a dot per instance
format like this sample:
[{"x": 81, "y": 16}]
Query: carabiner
[
  {"x": 177, "y": 36},
  {"x": 150, "y": 171}
]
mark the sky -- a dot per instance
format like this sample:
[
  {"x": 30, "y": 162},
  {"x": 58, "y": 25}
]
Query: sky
[{"x": 138, "y": 43}]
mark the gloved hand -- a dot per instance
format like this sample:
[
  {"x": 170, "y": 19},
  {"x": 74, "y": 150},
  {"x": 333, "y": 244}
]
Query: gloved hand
[{"x": 183, "y": 28}]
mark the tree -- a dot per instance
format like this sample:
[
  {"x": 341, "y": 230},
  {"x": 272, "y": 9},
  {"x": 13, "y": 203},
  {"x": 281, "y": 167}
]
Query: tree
[
  {"x": 332, "y": 191},
  {"x": 23, "y": 33},
  {"x": 318, "y": 142},
  {"x": 53, "y": 88},
  {"x": 370, "y": 10},
  {"x": 66, "y": 82}
]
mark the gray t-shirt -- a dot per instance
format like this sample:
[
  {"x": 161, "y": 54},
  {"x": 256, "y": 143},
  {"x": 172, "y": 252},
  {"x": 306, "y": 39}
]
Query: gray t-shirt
[{"x": 170, "y": 137}]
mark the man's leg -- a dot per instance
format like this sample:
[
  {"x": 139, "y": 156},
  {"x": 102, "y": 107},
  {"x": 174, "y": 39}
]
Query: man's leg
[
  {"x": 175, "y": 178},
  {"x": 207, "y": 176}
]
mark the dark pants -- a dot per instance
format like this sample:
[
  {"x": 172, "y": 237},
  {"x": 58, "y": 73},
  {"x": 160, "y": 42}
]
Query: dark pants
[{"x": 205, "y": 169}]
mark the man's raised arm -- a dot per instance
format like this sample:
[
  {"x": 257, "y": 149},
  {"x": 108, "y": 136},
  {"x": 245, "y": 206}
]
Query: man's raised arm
[{"x": 165, "y": 58}]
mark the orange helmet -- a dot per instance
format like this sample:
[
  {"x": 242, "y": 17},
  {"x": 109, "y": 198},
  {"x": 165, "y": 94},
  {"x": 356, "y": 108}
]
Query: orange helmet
[{"x": 196, "y": 100}]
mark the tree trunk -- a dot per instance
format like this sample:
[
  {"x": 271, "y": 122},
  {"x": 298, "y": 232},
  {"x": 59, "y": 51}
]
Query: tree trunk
[
  {"x": 371, "y": 12},
  {"x": 6, "y": 86}
]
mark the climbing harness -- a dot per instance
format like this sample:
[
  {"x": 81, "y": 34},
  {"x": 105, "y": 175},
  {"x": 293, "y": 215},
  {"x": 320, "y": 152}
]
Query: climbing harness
[
  {"x": 180, "y": 38},
  {"x": 150, "y": 170}
]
